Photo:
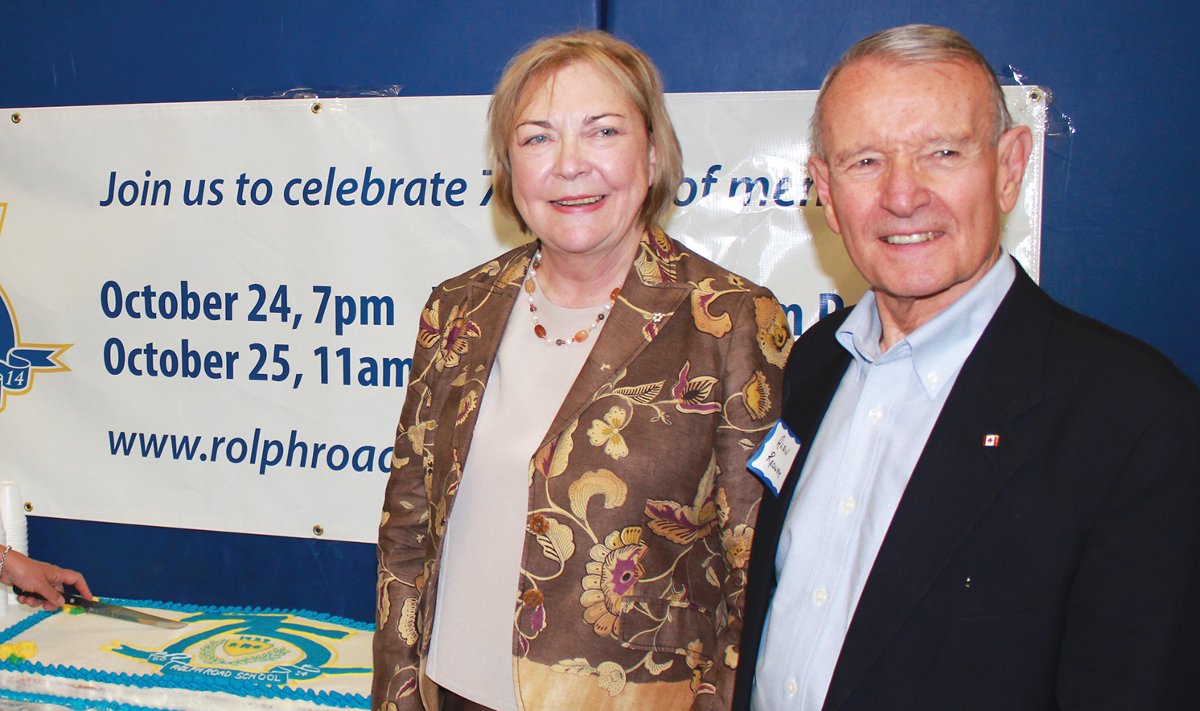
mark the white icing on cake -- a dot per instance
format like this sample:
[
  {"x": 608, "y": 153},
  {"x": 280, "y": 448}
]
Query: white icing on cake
[{"x": 226, "y": 658}]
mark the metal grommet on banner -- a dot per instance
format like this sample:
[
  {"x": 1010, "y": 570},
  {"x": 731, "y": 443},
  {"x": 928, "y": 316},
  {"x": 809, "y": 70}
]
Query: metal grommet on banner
[
  {"x": 1035, "y": 95},
  {"x": 15, "y": 118},
  {"x": 316, "y": 107},
  {"x": 318, "y": 530},
  {"x": 28, "y": 506}
]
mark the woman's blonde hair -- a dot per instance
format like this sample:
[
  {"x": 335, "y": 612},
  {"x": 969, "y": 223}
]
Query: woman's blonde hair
[{"x": 628, "y": 67}]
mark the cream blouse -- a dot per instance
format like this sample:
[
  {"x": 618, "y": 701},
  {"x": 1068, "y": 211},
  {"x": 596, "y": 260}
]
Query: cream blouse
[{"x": 470, "y": 650}]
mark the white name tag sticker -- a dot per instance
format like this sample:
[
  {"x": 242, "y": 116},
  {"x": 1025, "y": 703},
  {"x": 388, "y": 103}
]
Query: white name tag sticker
[{"x": 773, "y": 459}]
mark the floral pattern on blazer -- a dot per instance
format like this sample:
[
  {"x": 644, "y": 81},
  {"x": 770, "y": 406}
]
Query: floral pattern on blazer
[{"x": 641, "y": 509}]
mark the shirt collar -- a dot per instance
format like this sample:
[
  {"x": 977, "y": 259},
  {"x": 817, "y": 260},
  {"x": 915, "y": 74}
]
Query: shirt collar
[{"x": 939, "y": 347}]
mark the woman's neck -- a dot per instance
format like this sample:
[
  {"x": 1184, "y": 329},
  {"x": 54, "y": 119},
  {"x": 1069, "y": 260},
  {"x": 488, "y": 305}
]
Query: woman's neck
[{"x": 581, "y": 280}]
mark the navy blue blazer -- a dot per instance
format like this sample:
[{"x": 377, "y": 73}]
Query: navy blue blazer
[{"x": 1059, "y": 569}]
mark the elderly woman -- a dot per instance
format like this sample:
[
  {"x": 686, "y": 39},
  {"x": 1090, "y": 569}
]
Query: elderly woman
[{"x": 569, "y": 517}]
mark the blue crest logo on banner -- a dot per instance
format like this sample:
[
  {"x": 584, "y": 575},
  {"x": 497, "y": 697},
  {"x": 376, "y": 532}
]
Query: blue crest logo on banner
[{"x": 19, "y": 361}]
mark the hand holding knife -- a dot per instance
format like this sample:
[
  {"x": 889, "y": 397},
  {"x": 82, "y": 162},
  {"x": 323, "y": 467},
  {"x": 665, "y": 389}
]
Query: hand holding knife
[
  {"x": 19, "y": 570},
  {"x": 109, "y": 610}
]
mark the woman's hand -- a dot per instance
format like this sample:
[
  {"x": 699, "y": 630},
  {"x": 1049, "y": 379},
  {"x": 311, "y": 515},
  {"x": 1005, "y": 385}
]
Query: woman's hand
[{"x": 44, "y": 579}]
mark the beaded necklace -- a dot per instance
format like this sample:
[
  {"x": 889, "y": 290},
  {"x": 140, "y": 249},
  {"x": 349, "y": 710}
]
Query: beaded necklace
[{"x": 531, "y": 287}]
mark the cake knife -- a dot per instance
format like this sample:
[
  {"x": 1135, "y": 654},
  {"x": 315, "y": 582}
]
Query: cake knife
[{"x": 109, "y": 610}]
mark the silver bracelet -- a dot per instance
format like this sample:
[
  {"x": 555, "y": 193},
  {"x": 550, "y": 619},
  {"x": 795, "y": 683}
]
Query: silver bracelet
[{"x": 4, "y": 558}]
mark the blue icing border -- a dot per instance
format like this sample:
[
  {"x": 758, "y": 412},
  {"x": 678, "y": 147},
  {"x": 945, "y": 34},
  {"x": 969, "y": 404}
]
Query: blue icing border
[
  {"x": 75, "y": 704},
  {"x": 178, "y": 681}
]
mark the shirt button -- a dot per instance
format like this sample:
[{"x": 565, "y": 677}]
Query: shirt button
[
  {"x": 932, "y": 378},
  {"x": 790, "y": 687},
  {"x": 820, "y": 596},
  {"x": 875, "y": 413},
  {"x": 848, "y": 504}
]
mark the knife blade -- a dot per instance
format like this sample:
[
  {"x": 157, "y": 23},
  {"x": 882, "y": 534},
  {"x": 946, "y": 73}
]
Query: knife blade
[{"x": 107, "y": 609}]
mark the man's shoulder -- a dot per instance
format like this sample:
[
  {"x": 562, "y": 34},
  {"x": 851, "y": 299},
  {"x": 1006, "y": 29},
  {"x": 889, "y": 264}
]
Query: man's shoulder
[
  {"x": 817, "y": 351},
  {"x": 1075, "y": 354},
  {"x": 1093, "y": 350},
  {"x": 822, "y": 335},
  {"x": 1114, "y": 361},
  {"x": 826, "y": 328}
]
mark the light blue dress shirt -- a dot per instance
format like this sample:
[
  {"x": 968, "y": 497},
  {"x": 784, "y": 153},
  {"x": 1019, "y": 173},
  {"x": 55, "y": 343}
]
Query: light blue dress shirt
[{"x": 851, "y": 483}]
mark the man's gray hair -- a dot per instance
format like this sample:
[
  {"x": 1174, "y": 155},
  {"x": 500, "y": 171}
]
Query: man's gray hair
[{"x": 912, "y": 44}]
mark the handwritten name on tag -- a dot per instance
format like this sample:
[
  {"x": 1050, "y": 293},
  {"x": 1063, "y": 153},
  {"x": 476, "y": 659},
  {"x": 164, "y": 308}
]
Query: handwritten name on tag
[{"x": 773, "y": 459}]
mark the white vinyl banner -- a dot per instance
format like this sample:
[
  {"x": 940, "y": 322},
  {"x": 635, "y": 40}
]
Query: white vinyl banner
[{"x": 209, "y": 309}]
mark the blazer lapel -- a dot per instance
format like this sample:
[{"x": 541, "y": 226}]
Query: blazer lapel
[
  {"x": 489, "y": 304},
  {"x": 954, "y": 481}
]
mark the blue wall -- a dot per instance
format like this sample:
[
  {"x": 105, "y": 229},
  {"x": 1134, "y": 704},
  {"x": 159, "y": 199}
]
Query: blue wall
[{"x": 1116, "y": 239}]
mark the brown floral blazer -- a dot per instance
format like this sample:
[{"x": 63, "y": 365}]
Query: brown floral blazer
[{"x": 640, "y": 505}]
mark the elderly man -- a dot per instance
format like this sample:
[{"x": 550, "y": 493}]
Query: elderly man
[{"x": 996, "y": 501}]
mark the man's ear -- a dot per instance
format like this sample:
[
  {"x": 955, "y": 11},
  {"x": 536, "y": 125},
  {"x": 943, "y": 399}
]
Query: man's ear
[
  {"x": 818, "y": 170},
  {"x": 1012, "y": 155}
]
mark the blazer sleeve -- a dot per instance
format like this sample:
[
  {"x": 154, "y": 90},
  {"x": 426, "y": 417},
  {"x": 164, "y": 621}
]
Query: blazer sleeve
[
  {"x": 403, "y": 538},
  {"x": 1132, "y": 625}
]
